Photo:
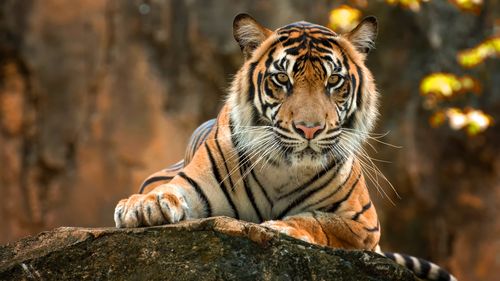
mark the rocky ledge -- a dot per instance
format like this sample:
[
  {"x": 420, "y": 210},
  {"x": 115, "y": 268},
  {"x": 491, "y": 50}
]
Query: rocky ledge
[{"x": 208, "y": 249}]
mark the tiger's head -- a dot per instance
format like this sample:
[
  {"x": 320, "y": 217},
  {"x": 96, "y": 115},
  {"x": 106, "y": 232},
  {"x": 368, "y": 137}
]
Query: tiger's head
[{"x": 304, "y": 95}]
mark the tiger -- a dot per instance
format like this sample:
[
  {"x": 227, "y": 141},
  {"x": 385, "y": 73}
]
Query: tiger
[{"x": 282, "y": 151}]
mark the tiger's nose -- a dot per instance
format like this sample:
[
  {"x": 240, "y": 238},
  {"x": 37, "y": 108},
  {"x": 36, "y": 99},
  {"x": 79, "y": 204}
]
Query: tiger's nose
[{"x": 308, "y": 130}]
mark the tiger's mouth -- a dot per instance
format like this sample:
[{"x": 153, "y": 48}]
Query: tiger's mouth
[
  {"x": 297, "y": 150},
  {"x": 305, "y": 153},
  {"x": 313, "y": 147}
]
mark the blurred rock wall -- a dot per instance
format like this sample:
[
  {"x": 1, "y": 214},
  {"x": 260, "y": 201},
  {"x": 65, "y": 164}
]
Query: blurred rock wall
[{"x": 96, "y": 95}]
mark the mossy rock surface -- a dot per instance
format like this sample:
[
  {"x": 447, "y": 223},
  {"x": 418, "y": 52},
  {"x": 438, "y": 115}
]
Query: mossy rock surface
[{"x": 209, "y": 249}]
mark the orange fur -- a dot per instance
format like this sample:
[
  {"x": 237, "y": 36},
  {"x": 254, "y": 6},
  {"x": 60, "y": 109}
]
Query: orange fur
[
  {"x": 220, "y": 174},
  {"x": 283, "y": 150}
]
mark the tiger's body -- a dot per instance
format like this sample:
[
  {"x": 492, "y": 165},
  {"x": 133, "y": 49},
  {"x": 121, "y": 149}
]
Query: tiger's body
[{"x": 282, "y": 151}]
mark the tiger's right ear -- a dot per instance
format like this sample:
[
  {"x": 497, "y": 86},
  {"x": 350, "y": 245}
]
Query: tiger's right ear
[{"x": 249, "y": 33}]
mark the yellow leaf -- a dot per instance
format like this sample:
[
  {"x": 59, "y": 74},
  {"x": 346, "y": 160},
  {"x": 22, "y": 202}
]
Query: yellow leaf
[
  {"x": 344, "y": 18},
  {"x": 473, "y": 6},
  {"x": 446, "y": 85},
  {"x": 473, "y": 121},
  {"x": 413, "y": 5},
  {"x": 489, "y": 48}
]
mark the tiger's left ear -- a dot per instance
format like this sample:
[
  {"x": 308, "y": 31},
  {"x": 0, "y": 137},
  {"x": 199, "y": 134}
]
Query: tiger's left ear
[
  {"x": 363, "y": 36},
  {"x": 249, "y": 33}
]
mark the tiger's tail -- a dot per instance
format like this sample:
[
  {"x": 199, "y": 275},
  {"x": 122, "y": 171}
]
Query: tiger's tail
[{"x": 421, "y": 268}]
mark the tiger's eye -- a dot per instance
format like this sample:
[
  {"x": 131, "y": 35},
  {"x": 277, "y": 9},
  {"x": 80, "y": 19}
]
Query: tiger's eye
[
  {"x": 282, "y": 78},
  {"x": 334, "y": 79}
]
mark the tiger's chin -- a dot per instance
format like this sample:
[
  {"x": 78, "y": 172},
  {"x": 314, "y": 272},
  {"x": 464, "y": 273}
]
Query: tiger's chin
[{"x": 309, "y": 158}]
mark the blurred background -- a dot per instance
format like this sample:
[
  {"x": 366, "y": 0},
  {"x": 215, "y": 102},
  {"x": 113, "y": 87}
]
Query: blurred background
[{"x": 96, "y": 95}]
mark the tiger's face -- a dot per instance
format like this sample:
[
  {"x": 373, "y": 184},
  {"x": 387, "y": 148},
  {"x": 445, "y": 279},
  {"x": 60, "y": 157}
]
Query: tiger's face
[{"x": 304, "y": 90}]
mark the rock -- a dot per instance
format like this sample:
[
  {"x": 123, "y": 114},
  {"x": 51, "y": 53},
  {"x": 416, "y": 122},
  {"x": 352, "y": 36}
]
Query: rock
[{"x": 208, "y": 249}]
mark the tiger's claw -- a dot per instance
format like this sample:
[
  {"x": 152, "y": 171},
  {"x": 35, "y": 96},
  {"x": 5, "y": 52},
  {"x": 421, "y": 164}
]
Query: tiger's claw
[
  {"x": 149, "y": 210},
  {"x": 283, "y": 227}
]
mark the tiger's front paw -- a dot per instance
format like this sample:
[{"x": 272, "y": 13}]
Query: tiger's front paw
[
  {"x": 289, "y": 230},
  {"x": 150, "y": 209}
]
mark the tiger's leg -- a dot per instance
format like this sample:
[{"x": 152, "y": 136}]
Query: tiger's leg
[
  {"x": 180, "y": 199},
  {"x": 194, "y": 192},
  {"x": 343, "y": 218},
  {"x": 328, "y": 229}
]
